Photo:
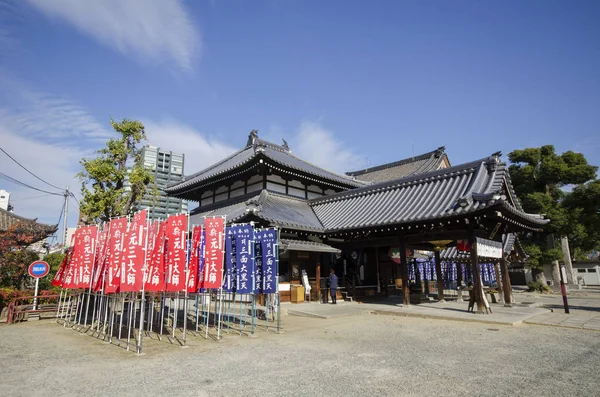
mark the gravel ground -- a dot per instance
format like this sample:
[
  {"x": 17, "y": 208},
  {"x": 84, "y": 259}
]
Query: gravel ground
[{"x": 358, "y": 355}]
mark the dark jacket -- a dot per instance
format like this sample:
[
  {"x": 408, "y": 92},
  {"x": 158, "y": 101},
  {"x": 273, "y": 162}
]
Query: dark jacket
[{"x": 333, "y": 281}]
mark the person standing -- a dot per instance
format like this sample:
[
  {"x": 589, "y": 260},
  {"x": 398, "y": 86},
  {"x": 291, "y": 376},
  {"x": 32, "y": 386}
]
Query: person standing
[{"x": 333, "y": 284}]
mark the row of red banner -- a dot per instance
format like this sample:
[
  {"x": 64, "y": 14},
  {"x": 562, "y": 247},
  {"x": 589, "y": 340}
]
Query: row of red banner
[{"x": 144, "y": 256}]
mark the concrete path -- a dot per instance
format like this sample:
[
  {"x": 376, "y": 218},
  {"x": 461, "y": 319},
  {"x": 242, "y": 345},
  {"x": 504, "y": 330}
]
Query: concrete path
[
  {"x": 584, "y": 308},
  {"x": 577, "y": 319},
  {"x": 444, "y": 311}
]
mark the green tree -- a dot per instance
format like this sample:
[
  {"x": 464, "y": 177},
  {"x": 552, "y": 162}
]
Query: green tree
[
  {"x": 13, "y": 272},
  {"x": 584, "y": 205},
  {"x": 54, "y": 260},
  {"x": 539, "y": 176},
  {"x": 112, "y": 182}
]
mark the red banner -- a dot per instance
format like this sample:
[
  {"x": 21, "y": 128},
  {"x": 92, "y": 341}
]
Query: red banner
[
  {"x": 57, "y": 281},
  {"x": 134, "y": 254},
  {"x": 192, "y": 275},
  {"x": 118, "y": 229},
  {"x": 155, "y": 280},
  {"x": 69, "y": 278},
  {"x": 213, "y": 253},
  {"x": 176, "y": 247},
  {"x": 100, "y": 263},
  {"x": 82, "y": 263},
  {"x": 152, "y": 232}
]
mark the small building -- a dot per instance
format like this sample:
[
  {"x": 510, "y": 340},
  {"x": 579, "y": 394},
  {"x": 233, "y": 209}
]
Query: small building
[
  {"x": 4, "y": 200},
  {"x": 588, "y": 272}
]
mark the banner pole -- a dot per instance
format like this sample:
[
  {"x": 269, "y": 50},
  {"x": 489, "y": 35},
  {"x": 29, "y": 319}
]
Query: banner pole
[
  {"x": 145, "y": 276},
  {"x": 187, "y": 275},
  {"x": 162, "y": 314},
  {"x": 58, "y": 306},
  {"x": 132, "y": 302},
  {"x": 277, "y": 283},
  {"x": 121, "y": 318}
]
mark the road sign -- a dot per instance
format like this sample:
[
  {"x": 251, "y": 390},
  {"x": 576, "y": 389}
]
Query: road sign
[{"x": 39, "y": 269}]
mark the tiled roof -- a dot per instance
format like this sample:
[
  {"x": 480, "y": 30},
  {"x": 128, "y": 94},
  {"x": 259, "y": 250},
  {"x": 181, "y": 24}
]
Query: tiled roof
[
  {"x": 233, "y": 213},
  {"x": 270, "y": 153},
  {"x": 436, "y": 195},
  {"x": 312, "y": 246},
  {"x": 8, "y": 218},
  {"x": 278, "y": 210},
  {"x": 399, "y": 169},
  {"x": 445, "y": 193}
]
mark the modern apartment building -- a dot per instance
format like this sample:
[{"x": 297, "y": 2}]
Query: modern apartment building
[
  {"x": 167, "y": 168},
  {"x": 4, "y": 199}
]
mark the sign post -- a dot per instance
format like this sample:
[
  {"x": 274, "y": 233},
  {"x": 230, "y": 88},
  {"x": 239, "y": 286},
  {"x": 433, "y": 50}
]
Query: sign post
[{"x": 37, "y": 270}]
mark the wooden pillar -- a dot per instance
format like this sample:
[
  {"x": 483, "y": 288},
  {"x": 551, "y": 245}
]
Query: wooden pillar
[
  {"x": 477, "y": 287},
  {"x": 404, "y": 270},
  {"x": 506, "y": 281},
  {"x": 459, "y": 279},
  {"x": 499, "y": 280},
  {"x": 440, "y": 278}
]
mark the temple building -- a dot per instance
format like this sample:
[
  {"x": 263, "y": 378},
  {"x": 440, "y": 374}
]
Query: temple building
[{"x": 372, "y": 226}]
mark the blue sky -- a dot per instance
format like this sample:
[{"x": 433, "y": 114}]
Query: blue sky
[{"x": 346, "y": 83}]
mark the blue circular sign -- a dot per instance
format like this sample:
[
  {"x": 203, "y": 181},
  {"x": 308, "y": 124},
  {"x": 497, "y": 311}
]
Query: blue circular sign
[{"x": 39, "y": 269}]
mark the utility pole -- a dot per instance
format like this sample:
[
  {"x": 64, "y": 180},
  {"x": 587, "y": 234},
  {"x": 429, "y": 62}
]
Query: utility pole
[{"x": 64, "y": 232}]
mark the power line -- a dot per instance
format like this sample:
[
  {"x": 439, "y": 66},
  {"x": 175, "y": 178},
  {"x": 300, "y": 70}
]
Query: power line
[
  {"x": 11, "y": 179},
  {"x": 75, "y": 198},
  {"x": 29, "y": 198},
  {"x": 22, "y": 166}
]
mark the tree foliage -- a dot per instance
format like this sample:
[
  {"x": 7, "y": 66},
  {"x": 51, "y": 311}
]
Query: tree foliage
[
  {"x": 540, "y": 176},
  {"x": 584, "y": 205},
  {"x": 14, "y": 259},
  {"x": 113, "y": 181},
  {"x": 13, "y": 272},
  {"x": 21, "y": 234},
  {"x": 54, "y": 260}
]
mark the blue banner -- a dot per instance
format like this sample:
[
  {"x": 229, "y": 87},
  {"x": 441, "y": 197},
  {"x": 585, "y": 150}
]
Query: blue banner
[
  {"x": 201, "y": 261},
  {"x": 269, "y": 260},
  {"x": 258, "y": 283},
  {"x": 244, "y": 247},
  {"x": 229, "y": 276}
]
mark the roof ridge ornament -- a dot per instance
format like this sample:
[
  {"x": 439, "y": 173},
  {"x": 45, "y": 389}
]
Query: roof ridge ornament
[
  {"x": 493, "y": 161},
  {"x": 439, "y": 152},
  {"x": 252, "y": 138}
]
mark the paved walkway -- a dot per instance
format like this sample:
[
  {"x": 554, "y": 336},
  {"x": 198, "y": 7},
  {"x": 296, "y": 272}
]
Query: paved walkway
[
  {"x": 444, "y": 311},
  {"x": 577, "y": 319}
]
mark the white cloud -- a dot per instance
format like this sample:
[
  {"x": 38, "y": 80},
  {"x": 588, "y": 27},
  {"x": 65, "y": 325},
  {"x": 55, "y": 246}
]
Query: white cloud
[
  {"x": 48, "y": 135},
  {"x": 154, "y": 30},
  {"x": 319, "y": 145},
  {"x": 40, "y": 115},
  {"x": 200, "y": 151}
]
